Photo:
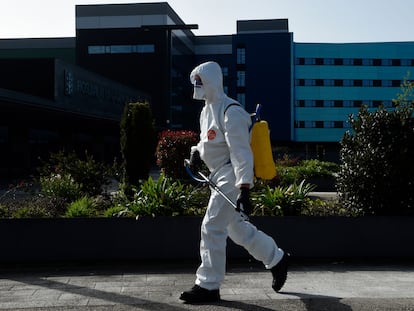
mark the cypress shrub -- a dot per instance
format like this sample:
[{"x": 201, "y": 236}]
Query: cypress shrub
[
  {"x": 138, "y": 141},
  {"x": 377, "y": 170}
]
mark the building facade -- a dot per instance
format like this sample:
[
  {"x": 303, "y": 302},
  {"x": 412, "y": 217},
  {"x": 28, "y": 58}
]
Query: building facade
[{"x": 307, "y": 90}]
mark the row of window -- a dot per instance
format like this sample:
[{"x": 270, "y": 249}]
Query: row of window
[
  {"x": 354, "y": 61},
  {"x": 121, "y": 49},
  {"x": 322, "y": 124},
  {"x": 343, "y": 103},
  {"x": 349, "y": 82}
]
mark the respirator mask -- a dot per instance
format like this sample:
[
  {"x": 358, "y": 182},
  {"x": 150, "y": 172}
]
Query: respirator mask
[{"x": 199, "y": 92}]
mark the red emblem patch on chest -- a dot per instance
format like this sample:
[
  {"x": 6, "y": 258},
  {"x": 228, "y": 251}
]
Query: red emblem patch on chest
[{"x": 211, "y": 134}]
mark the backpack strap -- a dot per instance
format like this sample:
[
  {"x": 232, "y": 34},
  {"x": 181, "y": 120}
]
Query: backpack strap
[
  {"x": 255, "y": 116},
  {"x": 227, "y": 108}
]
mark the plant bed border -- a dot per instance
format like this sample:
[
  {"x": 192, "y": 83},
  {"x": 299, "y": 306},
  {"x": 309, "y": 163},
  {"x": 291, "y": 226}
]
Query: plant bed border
[{"x": 177, "y": 238}]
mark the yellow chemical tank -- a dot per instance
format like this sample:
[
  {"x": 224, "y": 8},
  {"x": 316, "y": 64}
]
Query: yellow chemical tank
[{"x": 264, "y": 166}]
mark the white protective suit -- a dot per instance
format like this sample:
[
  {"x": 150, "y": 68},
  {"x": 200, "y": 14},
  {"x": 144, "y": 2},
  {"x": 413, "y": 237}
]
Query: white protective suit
[{"x": 225, "y": 148}]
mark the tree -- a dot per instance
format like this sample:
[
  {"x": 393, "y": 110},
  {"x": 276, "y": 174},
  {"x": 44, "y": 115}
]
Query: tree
[{"x": 138, "y": 142}]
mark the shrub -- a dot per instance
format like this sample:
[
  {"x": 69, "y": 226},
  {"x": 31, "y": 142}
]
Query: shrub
[
  {"x": 282, "y": 201},
  {"x": 164, "y": 197},
  {"x": 88, "y": 173},
  {"x": 138, "y": 141},
  {"x": 35, "y": 206},
  {"x": 173, "y": 147},
  {"x": 293, "y": 172},
  {"x": 83, "y": 207},
  {"x": 377, "y": 172},
  {"x": 318, "y": 207},
  {"x": 60, "y": 186}
]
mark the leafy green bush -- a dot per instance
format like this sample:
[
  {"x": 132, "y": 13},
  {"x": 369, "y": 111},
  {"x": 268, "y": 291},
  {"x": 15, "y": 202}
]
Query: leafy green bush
[
  {"x": 4, "y": 211},
  {"x": 91, "y": 175},
  {"x": 164, "y": 197},
  {"x": 173, "y": 147},
  {"x": 318, "y": 207},
  {"x": 293, "y": 172},
  {"x": 377, "y": 171},
  {"x": 83, "y": 207},
  {"x": 61, "y": 186},
  {"x": 138, "y": 141}
]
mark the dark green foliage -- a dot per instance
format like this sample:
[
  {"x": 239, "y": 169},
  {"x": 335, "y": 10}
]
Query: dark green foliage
[
  {"x": 138, "y": 141},
  {"x": 281, "y": 201},
  {"x": 89, "y": 174},
  {"x": 377, "y": 168},
  {"x": 290, "y": 172},
  {"x": 164, "y": 197},
  {"x": 83, "y": 207},
  {"x": 173, "y": 147}
]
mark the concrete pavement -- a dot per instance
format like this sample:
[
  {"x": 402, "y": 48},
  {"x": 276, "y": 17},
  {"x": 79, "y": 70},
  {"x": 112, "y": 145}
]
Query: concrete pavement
[{"x": 156, "y": 286}]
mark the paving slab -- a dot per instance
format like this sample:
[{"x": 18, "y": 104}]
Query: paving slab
[{"x": 310, "y": 286}]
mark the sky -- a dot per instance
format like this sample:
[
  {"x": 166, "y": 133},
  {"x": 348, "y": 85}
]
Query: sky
[{"x": 309, "y": 20}]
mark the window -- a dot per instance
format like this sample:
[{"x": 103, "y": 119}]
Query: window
[
  {"x": 328, "y": 124},
  {"x": 241, "y": 78},
  {"x": 406, "y": 62},
  {"x": 225, "y": 71},
  {"x": 121, "y": 49},
  {"x": 386, "y": 83},
  {"x": 96, "y": 49},
  {"x": 348, "y": 103},
  {"x": 300, "y": 82},
  {"x": 367, "y": 103},
  {"x": 300, "y": 61},
  {"x": 309, "y": 124},
  {"x": 396, "y": 62},
  {"x": 328, "y": 82},
  {"x": 319, "y": 124},
  {"x": 348, "y": 82},
  {"x": 241, "y": 55},
  {"x": 309, "y": 103},
  {"x": 300, "y": 103},
  {"x": 357, "y": 82},
  {"x": 310, "y": 61},
  {"x": 348, "y": 61},
  {"x": 386, "y": 62},
  {"x": 329, "y": 61},
  {"x": 358, "y": 61},
  {"x": 367, "y": 62},
  {"x": 300, "y": 124},
  {"x": 329, "y": 103},
  {"x": 310, "y": 82},
  {"x": 367, "y": 82},
  {"x": 346, "y": 125},
  {"x": 396, "y": 83}
]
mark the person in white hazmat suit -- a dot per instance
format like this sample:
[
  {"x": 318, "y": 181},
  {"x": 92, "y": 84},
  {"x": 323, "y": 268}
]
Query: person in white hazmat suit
[{"x": 224, "y": 146}]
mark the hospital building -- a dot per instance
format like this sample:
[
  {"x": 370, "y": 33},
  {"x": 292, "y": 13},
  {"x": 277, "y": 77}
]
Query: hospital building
[{"x": 71, "y": 91}]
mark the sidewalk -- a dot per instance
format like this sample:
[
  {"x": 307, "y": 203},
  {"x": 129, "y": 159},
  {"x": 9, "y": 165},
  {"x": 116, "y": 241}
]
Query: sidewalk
[{"x": 332, "y": 286}]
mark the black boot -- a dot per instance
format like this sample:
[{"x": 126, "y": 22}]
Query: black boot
[
  {"x": 198, "y": 294},
  {"x": 279, "y": 272}
]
